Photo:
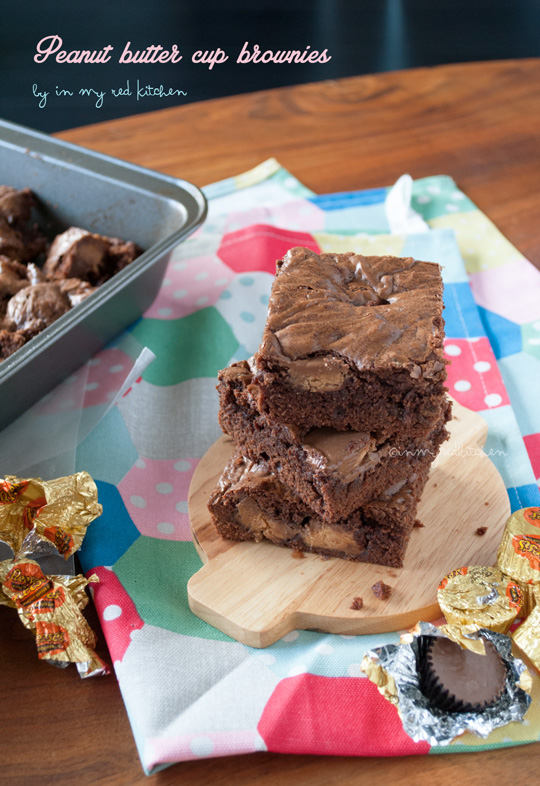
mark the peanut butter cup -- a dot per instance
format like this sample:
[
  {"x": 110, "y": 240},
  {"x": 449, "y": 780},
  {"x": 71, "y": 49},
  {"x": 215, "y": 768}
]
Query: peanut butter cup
[{"x": 455, "y": 679}]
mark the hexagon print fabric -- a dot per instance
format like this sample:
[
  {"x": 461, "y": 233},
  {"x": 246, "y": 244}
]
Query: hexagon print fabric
[{"x": 190, "y": 690}]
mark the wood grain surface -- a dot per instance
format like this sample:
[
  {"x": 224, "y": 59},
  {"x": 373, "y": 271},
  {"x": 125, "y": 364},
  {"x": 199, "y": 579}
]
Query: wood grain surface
[
  {"x": 279, "y": 594},
  {"x": 478, "y": 123}
]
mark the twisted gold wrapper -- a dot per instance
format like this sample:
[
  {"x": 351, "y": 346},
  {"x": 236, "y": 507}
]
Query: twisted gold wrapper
[
  {"x": 50, "y": 606},
  {"x": 529, "y": 600},
  {"x": 39, "y": 515},
  {"x": 527, "y": 636},
  {"x": 477, "y": 597},
  {"x": 519, "y": 552},
  {"x": 461, "y": 635}
]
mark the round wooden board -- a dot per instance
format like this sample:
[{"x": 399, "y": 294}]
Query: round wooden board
[{"x": 258, "y": 592}]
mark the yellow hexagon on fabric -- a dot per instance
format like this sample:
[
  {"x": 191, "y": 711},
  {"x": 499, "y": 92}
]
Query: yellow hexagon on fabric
[
  {"x": 481, "y": 244},
  {"x": 369, "y": 245}
]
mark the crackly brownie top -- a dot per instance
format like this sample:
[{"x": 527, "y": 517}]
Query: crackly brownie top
[{"x": 331, "y": 313}]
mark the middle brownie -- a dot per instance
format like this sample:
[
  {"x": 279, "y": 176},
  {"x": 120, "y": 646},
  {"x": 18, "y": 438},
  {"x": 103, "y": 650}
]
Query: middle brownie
[{"x": 333, "y": 472}]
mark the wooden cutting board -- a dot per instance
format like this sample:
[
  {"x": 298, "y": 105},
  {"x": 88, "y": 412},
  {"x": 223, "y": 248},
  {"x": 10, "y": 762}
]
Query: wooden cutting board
[{"x": 258, "y": 592}]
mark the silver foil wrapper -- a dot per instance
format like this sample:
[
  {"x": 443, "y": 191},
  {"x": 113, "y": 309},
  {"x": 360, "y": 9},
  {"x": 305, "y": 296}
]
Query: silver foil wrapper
[{"x": 393, "y": 668}]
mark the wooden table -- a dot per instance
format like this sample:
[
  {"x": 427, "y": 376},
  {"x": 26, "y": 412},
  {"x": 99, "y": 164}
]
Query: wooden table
[{"x": 478, "y": 123}]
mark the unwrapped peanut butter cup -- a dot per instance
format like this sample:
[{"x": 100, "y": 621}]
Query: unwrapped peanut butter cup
[
  {"x": 442, "y": 689},
  {"x": 455, "y": 679}
]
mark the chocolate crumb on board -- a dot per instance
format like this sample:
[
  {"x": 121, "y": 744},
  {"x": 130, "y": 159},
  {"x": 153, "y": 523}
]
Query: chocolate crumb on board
[
  {"x": 357, "y": 604},
  {"x": 297, "y": 554},
  {"x": 418, "y": 523},
  {"x": 481, "y": 531},
  {"x": 381, "y": 590}
]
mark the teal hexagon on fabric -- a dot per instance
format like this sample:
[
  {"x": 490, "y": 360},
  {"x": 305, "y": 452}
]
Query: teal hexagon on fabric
[
  {"x": 108, "y": 452},
  {"x": 439, "y": 196},
  {"x": 531, "y": 338},
  {"x": 198, "y": 345},
  {"x": 155, "y": 574}
]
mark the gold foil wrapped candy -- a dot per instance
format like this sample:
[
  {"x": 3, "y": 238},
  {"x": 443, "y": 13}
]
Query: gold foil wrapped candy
[
  {"x": 527, "y": 636},
  {"x": 50, "y": 606},
  {"x": 40, "y": 518},
  {"x": 480, "y": 597},
  {"x": 43, "y": 516},
  {"x": 519, "y": 552}
]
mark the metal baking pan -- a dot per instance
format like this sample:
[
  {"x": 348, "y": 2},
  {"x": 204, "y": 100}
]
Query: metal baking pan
[{"x": 77, "y": 187}]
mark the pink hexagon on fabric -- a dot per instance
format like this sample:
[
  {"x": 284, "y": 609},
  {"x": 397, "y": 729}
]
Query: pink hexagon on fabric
[
  {"x": 117, "y": 612},
  {"x": 190, "y": 284},
  {"x": 509, "y": 290},
  {"x": 339, "y": 716},
  {"x": 258, "y": 246},
  {"x": 200, "y": 746},
  {"x": 106, "y": 374},
  {"x": 67, "y": 397},
  {"x": 301, "y": 214},
  {"x": 474, "y": 379},
  {"x": 155, "y": 495},
  {"x": 532, "y": 443}
]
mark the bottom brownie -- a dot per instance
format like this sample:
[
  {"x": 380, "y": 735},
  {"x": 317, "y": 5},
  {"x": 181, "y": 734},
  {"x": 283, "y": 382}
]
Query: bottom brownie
[{"x": 250, "y": 504}]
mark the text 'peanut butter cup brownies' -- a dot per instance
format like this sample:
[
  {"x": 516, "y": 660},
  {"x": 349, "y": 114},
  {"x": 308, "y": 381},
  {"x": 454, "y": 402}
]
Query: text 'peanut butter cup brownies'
[{"x": 343, "y": 401}]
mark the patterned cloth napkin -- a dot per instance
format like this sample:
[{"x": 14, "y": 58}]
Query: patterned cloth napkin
[{"x": 190, "y": 690}]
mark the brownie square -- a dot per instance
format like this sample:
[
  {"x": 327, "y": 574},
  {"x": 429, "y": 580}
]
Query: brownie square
[
  {"x": 251, "y": 504},
  {"x": 332, "y": 472},
  {"x": 353, "y": 342}
]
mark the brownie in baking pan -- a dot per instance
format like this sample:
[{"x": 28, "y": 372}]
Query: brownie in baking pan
[
  {"x": 250, "y": 503},
  {"x": 333, "y": 472},
  {"x": 76, "y": 263},
  {"x": 353, "y": 342}
]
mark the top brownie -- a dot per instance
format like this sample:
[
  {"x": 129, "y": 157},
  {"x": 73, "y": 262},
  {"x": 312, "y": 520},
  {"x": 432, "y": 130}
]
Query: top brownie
[{"x": 345, "y": 334}]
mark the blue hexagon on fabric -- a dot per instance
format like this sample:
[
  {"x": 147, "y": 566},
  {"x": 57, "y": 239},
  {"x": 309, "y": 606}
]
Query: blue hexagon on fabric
[
  {"x": 504, "y": 336},
  {"x": 461, "y": 312},
  {"x": 110, "y": 535},
  {"x": 524, "y": 496}
]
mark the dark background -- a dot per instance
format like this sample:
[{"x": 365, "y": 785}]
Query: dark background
[{"x": 362, "y": 36}]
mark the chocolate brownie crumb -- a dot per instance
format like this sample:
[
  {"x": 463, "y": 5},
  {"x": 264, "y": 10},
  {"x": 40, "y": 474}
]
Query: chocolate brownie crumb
[
  {"x": 10, "y": 342},
  {"x": 418, "y": 523},
  {"x": 381, "y": 590},
  {"x": 357, "y": 604},
  {"x": 297, "y": 554},
  {"x": 481, "y": 531}
]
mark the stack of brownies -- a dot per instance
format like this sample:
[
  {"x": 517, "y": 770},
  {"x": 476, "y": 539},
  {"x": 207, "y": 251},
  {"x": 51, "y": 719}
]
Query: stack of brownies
[{"x": 340, "y": 413}]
